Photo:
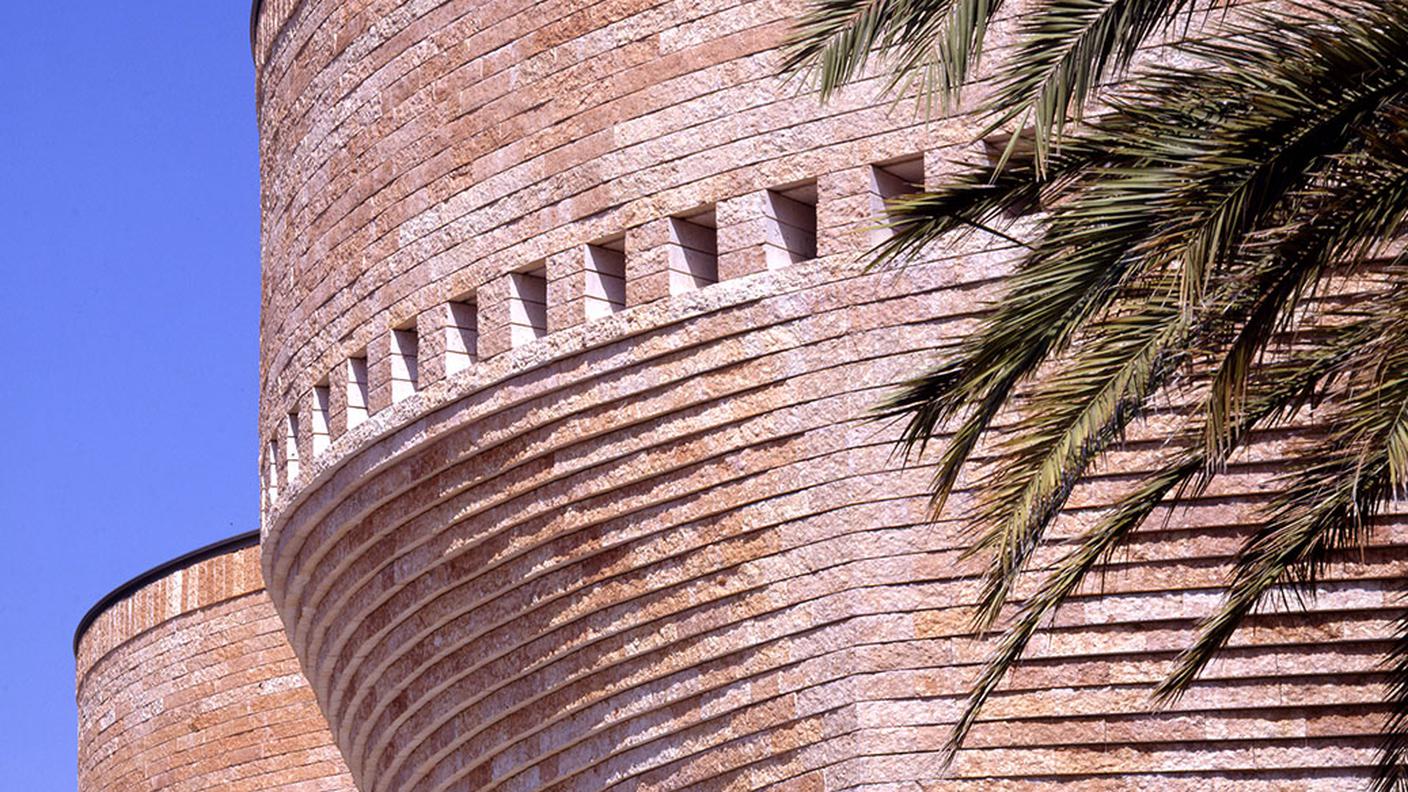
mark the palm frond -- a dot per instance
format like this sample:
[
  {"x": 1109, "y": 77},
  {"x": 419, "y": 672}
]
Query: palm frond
[
  {"x": 835, "y": 38},
  {"x": 1069, "y": 420},
  {"x": 1282, "y": 388},
  {"x": 1066, "y": 48},
  {"x": 911, "y": 39},
  {"x": 1249, "y": 143},
  {"x": 959, "y": 50},
  {"x": 1360, "y": 205},
  {"x": 1206, "y": 220},
  {"x": 1326, "y": 500},
  {"x": 1072, "y": 274},
  {"x": 1070, "y": 571}
]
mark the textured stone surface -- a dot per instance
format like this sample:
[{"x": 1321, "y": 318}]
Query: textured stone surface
[
  {"x": 662, "y": 549},
  {"x": 190, "y": 684}
]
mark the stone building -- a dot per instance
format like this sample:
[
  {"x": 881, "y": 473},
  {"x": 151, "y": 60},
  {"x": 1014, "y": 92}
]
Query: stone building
[{"x": 566, "y": 358}]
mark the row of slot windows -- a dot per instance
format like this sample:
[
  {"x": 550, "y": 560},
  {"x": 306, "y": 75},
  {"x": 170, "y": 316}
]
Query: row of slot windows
[{"x": 791, "y": 213}]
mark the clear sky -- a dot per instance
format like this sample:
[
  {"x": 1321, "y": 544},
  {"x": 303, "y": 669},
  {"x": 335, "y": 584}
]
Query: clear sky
[{"x": 129, "y": 212}]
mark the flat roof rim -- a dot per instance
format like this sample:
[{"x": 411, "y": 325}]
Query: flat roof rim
[{"x": 222, "y": 547}]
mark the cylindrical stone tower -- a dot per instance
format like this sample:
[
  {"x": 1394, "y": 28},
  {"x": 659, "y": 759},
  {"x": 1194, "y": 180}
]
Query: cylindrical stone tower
[
  {"x": 186, "y": 682},
  {"x": 566, "y": 358}
]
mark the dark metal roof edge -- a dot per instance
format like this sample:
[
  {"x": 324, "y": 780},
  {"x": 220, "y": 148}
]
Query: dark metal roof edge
[{"x": 230, "y": 545}]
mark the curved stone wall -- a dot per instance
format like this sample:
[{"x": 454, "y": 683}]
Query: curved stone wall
[
  {"x": 661, "y": 549},
  {"x": 188, "y": 683}
]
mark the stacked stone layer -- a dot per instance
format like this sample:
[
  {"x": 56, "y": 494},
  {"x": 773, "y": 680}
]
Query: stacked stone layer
[
  {"x": 189, "y": 684},
  {"x": 663, "y": 549}
]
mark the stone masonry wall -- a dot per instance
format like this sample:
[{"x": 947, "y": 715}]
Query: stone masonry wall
[
  {"x": 189, "y": 684},
  {"x": 662, "y": 548}
]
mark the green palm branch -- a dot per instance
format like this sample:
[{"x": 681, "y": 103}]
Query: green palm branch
[{"x": 1229, "y": 232}]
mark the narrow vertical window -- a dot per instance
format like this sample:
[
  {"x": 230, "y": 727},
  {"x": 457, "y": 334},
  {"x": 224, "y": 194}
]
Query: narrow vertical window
[
  {"x": 356, "y": 389},
  {"x": 890, "y": 181},
  {"x": 606, "y": 277},
  {"x": 322, "y": 411},
  {"x": 528, "y": 305},
  {"x": 791, "y": 216},
  {"x": 1001, "y": 147},
  {"x": 405, "y": 362},
  {"x": 694, "y": 251},
  {"x": 462, "y": 334},
  {"x": 271, "y": 475},
  {"x": 291, "y": 447}
]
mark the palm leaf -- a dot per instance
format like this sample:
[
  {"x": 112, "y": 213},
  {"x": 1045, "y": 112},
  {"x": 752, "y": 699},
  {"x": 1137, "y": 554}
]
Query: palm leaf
[
  {"x": 1328, "y": 497},
  {"x": 1066, "y": 48},
  {"x": 1282, "y": 390}
]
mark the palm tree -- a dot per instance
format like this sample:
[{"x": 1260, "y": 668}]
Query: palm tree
[{"x": 1227, "y": 232}]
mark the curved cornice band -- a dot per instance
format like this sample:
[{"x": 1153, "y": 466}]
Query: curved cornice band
[{"x": 230, "y": 545}]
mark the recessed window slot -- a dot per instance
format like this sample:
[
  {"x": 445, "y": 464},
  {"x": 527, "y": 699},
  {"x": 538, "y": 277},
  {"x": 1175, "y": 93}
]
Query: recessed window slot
[
  {"x": 356, "y": 389},
  {"x": 291, "y": 447},
  {"x": 462, "y": 334},
  {"x": 694, "y": 251},
  {"x": 606, "y": 277},
  {"x": 791, "y": 233},
  {"x": 889, "y": 181},
  {"x": 405, "y": 362},
  {"x": 322, "y": 410},
  {"x": 271, "y": 475},
  {"x": 528, "y": 305},
  {"x": 999, "y": 146}
]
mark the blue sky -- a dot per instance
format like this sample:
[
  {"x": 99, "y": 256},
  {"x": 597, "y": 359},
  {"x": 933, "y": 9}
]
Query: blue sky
[{"x": 129, "y": 210}]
